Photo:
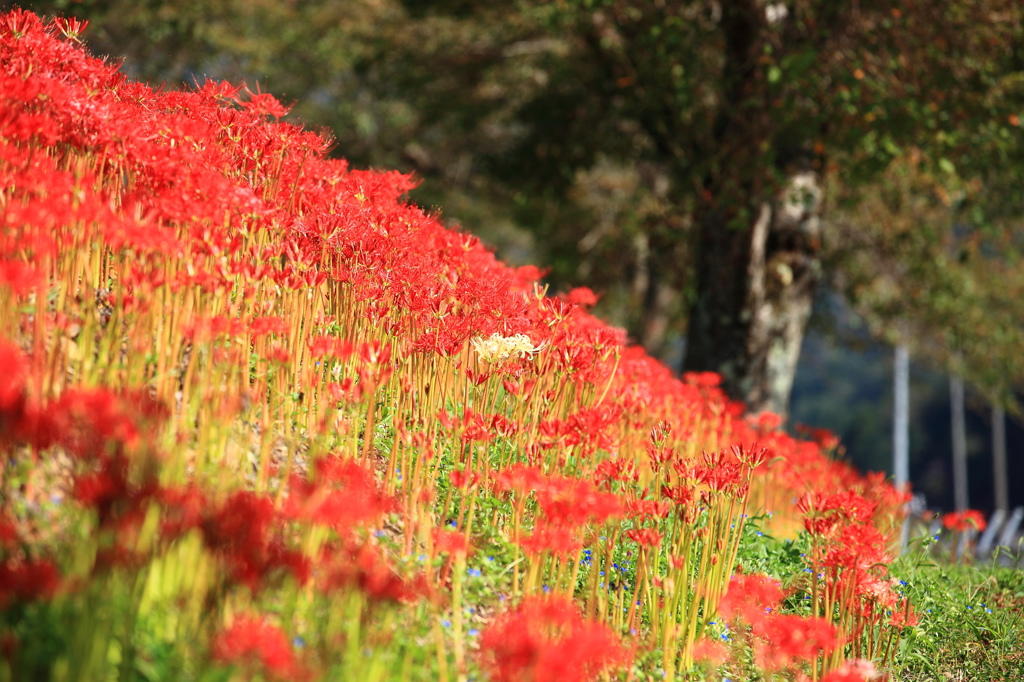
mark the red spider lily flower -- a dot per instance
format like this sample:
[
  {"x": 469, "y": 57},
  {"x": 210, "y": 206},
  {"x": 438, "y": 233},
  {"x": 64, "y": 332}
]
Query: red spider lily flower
[
  {"x": 554, "y": 540},
  {"x": 255, "y": 645},
  {"x": 659, "y": 454},
  {"x": 450, "y": 542},
  {"x": 767, "y": 421},
  {"x": 547, "y": 640},
  {"x": 363, "y": 567},
  {"x": 374, "y": 353},
  {"x": 850, "y": 505},
  {"x": 183, "y": 510},
  {"x": 645, "y": 537},
  {"x": 220, "y": 91},
  {"x": 20, "y": 277},
  {"x": 240, "y": 532},
  {"x": 721, "y": 473},
  {"x": 857, "y": 547},
  {"x": 703, "y": 379},
  {"x": 477, "y": 378},
  {"x": 790, "y": 639},
  {"x": 753, "y": 456},
  {"x": 502, "y": 426},
  {"x": 519, "y": 478},
  {"x": 27, "y": 580},
  {"x": 569, "y": 501},
  {"x": 751, "y": 597},
  {"x": 342, "y": 494},
  {"x": 346, "y": 391},
  {"x": 474, "y": 427},
  {"x": 825, "y": 439},
  {"x": 711, "y": 651},
  {"x": 512, "y": 387},
  {"x": 680, "y": 495},
  {"x": 903, "y": 617},
  {"x": 463, "y": 479},
  {"x": 959, "y": 522},
  {"x": 611, "y": 471},
  {"x": 202, "y": 329},
  {"x": 260, "y": 326},
  {"x": 90, "y": 423},
  {"x": 330, "y": 346},
  {"x": 582, "y": 297},
  {"x": 648, "y": 509},
  {"x": 263, "y": 104}
]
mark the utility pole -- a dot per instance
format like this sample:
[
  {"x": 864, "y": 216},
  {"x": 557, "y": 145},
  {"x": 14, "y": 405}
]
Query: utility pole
[
  {"x": 956, "y": 395},
  {"x": 1002, "y": 489},
  {"x": 901, "y": 429}
]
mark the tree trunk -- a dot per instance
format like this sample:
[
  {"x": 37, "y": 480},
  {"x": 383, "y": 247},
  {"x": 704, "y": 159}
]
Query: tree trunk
[
  {"x": 755, "y": 287},
  {"x": 759, "y": 239}
]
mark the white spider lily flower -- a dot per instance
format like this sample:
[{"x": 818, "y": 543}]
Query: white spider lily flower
[{"x": 500, "y": 347}]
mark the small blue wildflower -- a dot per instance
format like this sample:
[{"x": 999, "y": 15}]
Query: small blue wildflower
[{"x": 475, "y": 572}]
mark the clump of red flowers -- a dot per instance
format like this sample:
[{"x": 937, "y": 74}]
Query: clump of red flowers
[
  {"x": 546, "y": 639},
  {"x": 779, "y": 640},
  {"x": 962, "y": 521},
  {"x": 254, "y": 645}
]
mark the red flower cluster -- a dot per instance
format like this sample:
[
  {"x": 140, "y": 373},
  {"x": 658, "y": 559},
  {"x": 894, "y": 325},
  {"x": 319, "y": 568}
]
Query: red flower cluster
[
  {"x": 546, "y": 639},
  {"x": 255, "y": 645},
  {"x": 960, "y": 522},
  {"x": 780, "y": 640}
]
